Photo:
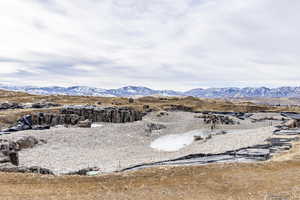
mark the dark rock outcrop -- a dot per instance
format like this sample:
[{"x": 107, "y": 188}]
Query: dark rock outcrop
[
  {"x": 84, "y": 171},
  {"x": 255, "y": 153},
  {"x": 9, "y": 152},
  {"x": 25, "y": 123},
  {"x": 72, "y": 115},
  {"x": 218, "y": 119},
  {"x": 9, "y": 149},
  {"x": 154, "y": 127},
  {"x": 7, "y": 167},
  {"x": 178, "y": 108},
  {"x": 27, "y": 142},
  {"x": 13, "y": 105},
  {"x": 44, "y": 105},
  {"x": 104, "y": 114},
  {"x": 6, "y": 105}
]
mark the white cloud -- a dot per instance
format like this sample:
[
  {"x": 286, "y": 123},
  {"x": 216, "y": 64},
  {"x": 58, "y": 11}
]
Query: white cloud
[
  {"x": 173, "y": 44},
  {"x": 9, "y": 67},
  {"x": 87, "y": 68}
]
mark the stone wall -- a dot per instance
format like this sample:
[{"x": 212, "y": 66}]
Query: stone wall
[{"x": 73, "y": 114}]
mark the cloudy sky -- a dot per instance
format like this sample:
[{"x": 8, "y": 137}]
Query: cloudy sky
[{"x": 170, "y": 44}]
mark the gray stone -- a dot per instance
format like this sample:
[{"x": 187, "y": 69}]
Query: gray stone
[
  {"x": 154, "y": 127},
  {"x": 7, "y": 105},
  {"x": 85, "y": 124},
  {"x": 27, "y": 142}
]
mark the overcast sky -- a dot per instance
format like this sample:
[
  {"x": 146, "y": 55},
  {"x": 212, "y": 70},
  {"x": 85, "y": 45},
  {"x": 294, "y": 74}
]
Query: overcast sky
[{"x": 169, "y": 44}]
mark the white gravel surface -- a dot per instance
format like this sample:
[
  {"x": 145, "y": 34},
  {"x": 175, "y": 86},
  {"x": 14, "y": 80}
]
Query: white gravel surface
[{"x": 115, "y": 146}]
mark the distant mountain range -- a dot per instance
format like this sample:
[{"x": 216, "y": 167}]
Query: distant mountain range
[{"x": 128, "y": 91}]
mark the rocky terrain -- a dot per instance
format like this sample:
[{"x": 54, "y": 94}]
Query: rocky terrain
[
  {"x": 154, "y": 143},
  {"x": 122, "y": 146}
]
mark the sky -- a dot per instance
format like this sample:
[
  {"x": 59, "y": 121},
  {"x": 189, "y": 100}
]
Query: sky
[{"x": 162, "y": 44}]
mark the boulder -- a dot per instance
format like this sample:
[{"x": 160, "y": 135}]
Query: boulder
[
  {"x": 27, "y": 142},
  {"x": 85, "y": 124},
  {"x": 154, "y": 127},
  {"x": 160, "y": 114},
  {"x": 291, "y": 123},
  {"x": 44, "y": 105},
  {"x": 14, "y": 158},
  {"x": 8, "y": 167},
  {"x": 9, "y": 152},
  {"x": 25, "y": 123},
  {"x": 179, "y": 108},
  {"x": 131, "y": 100},
  {"x": 198, "y": 137},
  {"x": 86, "y": 171},
  {"x": 7, "y": 146},
  {"x": 145, "y": 107}
]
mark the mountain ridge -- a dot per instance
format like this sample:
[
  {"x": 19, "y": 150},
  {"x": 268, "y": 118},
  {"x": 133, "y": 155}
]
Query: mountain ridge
[{"x": 128, "y": 91}]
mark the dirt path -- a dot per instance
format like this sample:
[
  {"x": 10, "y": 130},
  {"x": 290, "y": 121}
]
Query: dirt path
[{"x": 217, "y": 181}]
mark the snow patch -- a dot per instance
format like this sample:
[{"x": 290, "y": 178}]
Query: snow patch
[
  {"x": 177, "y": 141},
  {"x": 96, "y": 125}
]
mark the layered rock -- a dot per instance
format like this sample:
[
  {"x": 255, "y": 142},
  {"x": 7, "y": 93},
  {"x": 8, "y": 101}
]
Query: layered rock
[
  {"x": 104, "y": 114},
  {"x": 74, "y": 114}
]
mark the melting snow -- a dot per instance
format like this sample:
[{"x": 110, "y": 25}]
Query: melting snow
[{"x": 177, "y": 141}]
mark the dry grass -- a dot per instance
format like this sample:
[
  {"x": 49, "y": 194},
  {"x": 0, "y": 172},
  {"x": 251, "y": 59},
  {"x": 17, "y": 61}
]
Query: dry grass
[
  {"x": 156, "y": 103},
  {"x": 197, "y": 104},
  {"x": 216, "y": 181}
]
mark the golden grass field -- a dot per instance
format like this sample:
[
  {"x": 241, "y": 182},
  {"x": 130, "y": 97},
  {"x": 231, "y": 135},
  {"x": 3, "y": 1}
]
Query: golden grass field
[
  {"x": 276, "y": 179},
  {"x": 270, "y": 180}
]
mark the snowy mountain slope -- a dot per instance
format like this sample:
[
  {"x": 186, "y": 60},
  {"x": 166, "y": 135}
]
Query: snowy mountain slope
[{"x": 144, "y": 91}]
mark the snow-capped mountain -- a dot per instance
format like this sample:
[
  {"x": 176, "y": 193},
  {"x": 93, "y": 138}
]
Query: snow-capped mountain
[
  {"x": 232, "y": 92},
  {"x": 245, "y": 92},
  {"x": 91, "y": 91},
  {"x": 141, "y": 91}
]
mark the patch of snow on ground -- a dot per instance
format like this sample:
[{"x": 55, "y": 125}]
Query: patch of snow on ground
[
  {"x": 96, "y": 125},
  {"x": 177, "y": 141}
]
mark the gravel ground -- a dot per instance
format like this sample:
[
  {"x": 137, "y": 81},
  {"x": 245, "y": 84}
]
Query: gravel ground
[{"x": 115, "y": 146}]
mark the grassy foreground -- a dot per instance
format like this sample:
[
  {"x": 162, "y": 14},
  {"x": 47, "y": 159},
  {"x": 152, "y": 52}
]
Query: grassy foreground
[{"x": 270, "y": 180}]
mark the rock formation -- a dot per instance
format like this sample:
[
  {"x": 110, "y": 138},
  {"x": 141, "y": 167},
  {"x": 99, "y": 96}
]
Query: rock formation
[
  {"x": 85, "y": 124},
  {"x": 13, "y": 105},
  {"x": 72, "y": 115},
  {"x": 6, "y": 105},
  {"x": 154, "y": 127}
]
